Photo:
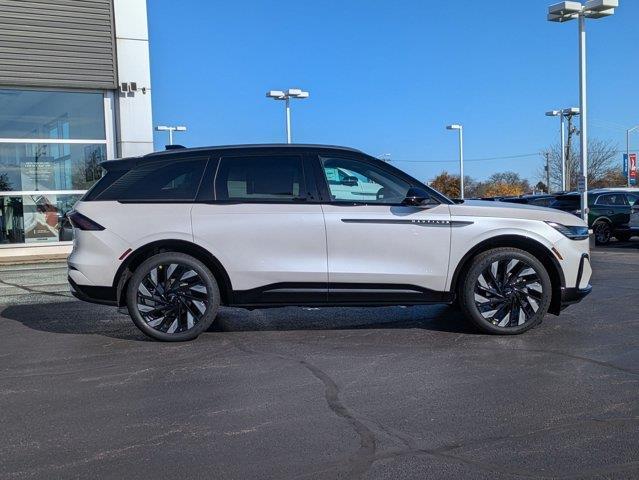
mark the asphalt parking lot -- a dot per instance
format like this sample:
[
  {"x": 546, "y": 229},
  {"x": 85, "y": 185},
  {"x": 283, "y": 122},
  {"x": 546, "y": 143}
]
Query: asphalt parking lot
[{"x": 388, "y": 393}]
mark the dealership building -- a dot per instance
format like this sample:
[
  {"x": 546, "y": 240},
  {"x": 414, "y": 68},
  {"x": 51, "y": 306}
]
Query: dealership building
[{"x": 75, "y": 90}]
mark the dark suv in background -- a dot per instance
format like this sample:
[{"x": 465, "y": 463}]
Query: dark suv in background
[{"x": 609, "y": 213}]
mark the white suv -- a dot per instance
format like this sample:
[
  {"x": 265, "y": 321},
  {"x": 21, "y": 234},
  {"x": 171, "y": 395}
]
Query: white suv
[{"x": 174, "y": 235}]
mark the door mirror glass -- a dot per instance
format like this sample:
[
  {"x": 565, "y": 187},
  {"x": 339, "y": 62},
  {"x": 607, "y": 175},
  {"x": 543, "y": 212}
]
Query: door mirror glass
[{"x": 417, "y": 197}]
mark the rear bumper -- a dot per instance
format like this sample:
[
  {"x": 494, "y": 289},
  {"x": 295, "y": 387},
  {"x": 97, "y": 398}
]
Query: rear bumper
[
  {"x": 92, "y": 294},
  {"x": 570, "y": 296}
]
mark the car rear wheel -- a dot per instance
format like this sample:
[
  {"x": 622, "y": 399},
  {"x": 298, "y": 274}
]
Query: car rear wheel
[
  {"x": 623, "y": 236},
  {"x": 603, "y": 232},
  {"x": 506, "y": 291},
  {"x": 172, "y": 297}
]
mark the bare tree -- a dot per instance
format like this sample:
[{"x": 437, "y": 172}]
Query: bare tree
[
  {"x": 5, "y": 183},
  {"x": 601, "y": 164}
]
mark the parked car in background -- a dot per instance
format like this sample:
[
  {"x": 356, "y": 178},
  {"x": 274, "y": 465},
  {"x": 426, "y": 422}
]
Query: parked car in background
[
  {"x": 174, "y": 235},
  {"x": 542, "y": 200},
  {"x": 609, "y": 213}
]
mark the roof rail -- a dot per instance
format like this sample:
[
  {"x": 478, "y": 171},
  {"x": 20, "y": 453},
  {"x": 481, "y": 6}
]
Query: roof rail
[{"x": 174, "y": 147}]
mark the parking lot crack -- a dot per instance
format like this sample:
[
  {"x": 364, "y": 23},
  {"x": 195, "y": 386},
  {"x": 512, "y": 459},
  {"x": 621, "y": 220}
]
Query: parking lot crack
[
  {"x": 582, "y": 358},
  {"x": 360, "y": 461},
  {"x": 34, "y": 290}
]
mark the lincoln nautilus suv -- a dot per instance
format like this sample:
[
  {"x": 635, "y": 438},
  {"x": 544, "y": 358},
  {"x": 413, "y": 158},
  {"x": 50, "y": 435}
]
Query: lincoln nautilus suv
[{"x": 173, "y": 236}]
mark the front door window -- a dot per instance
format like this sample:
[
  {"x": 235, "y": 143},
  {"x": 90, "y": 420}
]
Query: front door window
[{"x": 360, "y": 182}]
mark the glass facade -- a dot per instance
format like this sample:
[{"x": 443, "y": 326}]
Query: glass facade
[{"x": 51, "y": 145}]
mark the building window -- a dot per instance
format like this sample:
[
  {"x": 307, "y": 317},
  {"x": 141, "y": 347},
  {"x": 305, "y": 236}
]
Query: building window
[{"x": 51, "y": 145}]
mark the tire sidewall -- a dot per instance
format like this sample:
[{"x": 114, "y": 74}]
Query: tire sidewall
[
  {"x": 479, "y": 264},
  {"x": 173, "y": 257}
]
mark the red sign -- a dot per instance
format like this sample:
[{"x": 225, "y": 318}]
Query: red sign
[{"x": 632, "y": 160}]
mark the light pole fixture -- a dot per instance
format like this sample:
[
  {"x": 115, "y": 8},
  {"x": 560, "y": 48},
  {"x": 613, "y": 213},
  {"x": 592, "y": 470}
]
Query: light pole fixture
[
  {"x": 566, "y": 112},
  {"x": 286, "y": 96},
  {"x": 170, "y": 129},
  {"x": 628, "y": 132},
  {"x": 564, "y": 12},
  {"x": 460, "y": 129}
]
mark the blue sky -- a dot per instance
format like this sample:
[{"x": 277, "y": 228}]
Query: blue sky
[{"x": 387, "y": 76}]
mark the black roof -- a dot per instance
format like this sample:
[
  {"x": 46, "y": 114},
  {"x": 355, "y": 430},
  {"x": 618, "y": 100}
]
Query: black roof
[
  {"x": 250, "y": 146},
  {"x": 114, "y": 164}
]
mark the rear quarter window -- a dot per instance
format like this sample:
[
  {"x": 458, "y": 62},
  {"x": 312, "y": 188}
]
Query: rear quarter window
[{"x": 165, "y": 180}]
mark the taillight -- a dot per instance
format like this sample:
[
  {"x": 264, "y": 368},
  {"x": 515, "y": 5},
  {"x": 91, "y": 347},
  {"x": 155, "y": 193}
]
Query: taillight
[{"x": 83, "y": 223}]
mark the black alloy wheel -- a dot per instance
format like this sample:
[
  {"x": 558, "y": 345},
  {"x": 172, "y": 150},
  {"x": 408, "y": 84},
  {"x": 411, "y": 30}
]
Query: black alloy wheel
[
  {"x": 505, "y": 291},
  {"x": 172, "y": 297}
]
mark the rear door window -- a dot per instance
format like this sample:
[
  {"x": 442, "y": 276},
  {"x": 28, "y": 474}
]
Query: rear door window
[
  {"x": 165, "y": 180},
  {"x": 260, "y": 178},
  {"x": 612, "y": 200}
]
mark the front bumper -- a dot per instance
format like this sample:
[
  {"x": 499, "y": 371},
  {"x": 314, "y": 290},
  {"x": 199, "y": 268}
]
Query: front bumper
[{"x": 570, "y": 296}]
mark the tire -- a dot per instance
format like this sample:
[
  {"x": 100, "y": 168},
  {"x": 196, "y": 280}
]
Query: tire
[
  {"x": 603, "y": 232},
  {"x": 623, "y": 236},
  {"x": 166, "y": 311},
  {"x": 506, "y": 291}
]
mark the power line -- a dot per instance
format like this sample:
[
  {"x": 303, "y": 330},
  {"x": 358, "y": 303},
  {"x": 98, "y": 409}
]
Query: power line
[{"x": 486, "y": 159}]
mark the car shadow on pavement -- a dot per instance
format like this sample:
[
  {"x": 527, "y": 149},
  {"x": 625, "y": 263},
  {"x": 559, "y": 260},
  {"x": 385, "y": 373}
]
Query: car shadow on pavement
[
  {"x": 74, "y": 317},
  {"x": 630, "y": 245},
  {"x": 82, "y": 318},
  {"x": 441, "y": 318}
]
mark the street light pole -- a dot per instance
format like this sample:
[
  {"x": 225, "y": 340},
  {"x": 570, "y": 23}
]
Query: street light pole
[
  {"x": 286, "y": 96},
  {"x": 563, "y": 153},
  {"x": 461, "y": 161},
  {"x": 288, "y": 120},
  {"x": 628, "y": 132},
  {"x": 460, "y": 129},
  {"x": 583, "y": 122},
  {"x": 572, "y": 10},
  {"x": 170, "y": 129}
]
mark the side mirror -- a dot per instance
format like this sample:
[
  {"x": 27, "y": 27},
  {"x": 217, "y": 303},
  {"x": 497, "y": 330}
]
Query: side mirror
[
  {"x": 350, "y": 181},
  {"x": 417, "y": 197}
]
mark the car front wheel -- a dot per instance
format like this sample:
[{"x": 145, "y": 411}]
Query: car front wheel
[
  {"x": 506, "y": 291},
  {"x": 172, "y": 297}
]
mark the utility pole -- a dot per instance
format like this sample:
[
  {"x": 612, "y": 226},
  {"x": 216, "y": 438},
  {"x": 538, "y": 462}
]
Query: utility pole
[
  {"x": 547, "y": 154},
  {"x": 562, "y": 114}
]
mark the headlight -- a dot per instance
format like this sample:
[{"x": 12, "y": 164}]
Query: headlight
[{"x": 572, "y": 232}]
